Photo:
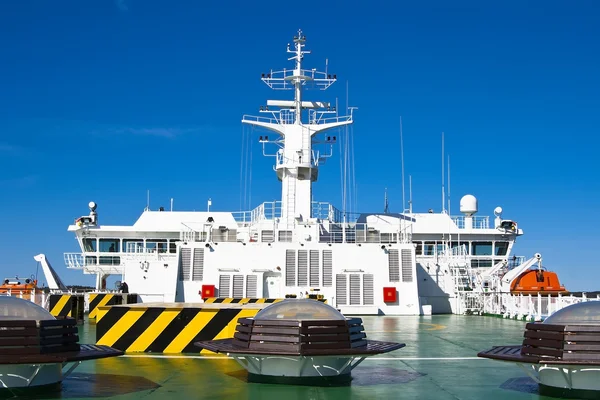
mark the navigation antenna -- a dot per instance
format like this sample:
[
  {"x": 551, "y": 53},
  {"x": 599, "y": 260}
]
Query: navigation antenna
[
  {"x": 386, "y": 208},
  {"x": 402, "y": 158},
  {"x": 449, "y": 184},
  {"x": 443, "y": 178},
  {"x": 410, "y": 202}
]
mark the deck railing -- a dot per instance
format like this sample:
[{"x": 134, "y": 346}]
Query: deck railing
[
  {"x": 479, "y": 222},
  {"x": 529, "y": 307}
]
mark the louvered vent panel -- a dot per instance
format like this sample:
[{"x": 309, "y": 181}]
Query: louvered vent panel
[
  {"x": 285, "y": 236},
  {"x": 368, "y": 295},
  {"x": 394, "y": 265},
  {"x": 407, "y": 275},
  {"x": 185, "y": 262},
  {"x": 224, "y": 286},
  {"x": 290, "y": 268},
  {"x": 238, "y": 286},
  {"x": 198, "y": 271},
  {"x": 354, "y": 289},
  {"x": 302, "y": 268},
  {"x": 327, "y": 268},
  {"x": 267, "y": 236},
  {"x": 340, "y": 289},
  {"x": 251, "y": 286},
  {"x": 314, "y": 268}
]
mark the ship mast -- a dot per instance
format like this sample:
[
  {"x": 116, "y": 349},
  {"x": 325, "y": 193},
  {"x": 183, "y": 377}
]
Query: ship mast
[{"x": 296, "y": 163}]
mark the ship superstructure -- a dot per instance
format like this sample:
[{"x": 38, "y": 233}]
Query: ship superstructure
[{"x": 374, "y": 263}]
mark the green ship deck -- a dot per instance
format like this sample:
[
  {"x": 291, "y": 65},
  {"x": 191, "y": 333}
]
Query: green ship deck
[{"x": 439, "y": 362}]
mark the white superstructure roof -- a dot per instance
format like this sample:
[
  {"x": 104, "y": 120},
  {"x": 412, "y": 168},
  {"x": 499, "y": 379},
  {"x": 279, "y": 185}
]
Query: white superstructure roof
[{"x": 171, "y": 221}]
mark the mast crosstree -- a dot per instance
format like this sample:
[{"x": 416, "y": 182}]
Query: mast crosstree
[{"x": 296, "y": 123}]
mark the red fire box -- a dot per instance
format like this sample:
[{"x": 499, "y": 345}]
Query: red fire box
[
  {"x": 207, "y": 291},
  {"x": 389, "y": 295}
]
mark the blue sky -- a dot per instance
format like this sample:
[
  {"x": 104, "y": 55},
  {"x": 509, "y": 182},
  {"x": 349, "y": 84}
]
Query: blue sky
[{"x": 103, "y": 100}]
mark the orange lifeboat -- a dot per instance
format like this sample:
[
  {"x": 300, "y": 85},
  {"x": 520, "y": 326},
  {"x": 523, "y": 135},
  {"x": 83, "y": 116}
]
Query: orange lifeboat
[
  {"x": 534, "y": 281},
  {"x": 15, "y": 287}
]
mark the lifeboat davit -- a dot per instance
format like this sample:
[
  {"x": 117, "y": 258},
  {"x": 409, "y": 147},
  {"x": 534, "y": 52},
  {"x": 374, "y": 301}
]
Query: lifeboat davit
[
  {"x": 534, "y": 281},
  {"x": 17, "y": 288}
]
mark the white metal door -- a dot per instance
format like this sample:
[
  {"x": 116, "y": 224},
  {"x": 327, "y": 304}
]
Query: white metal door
[{"x": 272, "y": 285}]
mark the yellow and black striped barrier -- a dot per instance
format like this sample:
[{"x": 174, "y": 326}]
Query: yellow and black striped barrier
[
  {"x": 172, "y": 328},
  {"x": 247, "y": 300},
  {"x": 109, "y": 299},
  {"x": 67, "y": 305},
  {"x": 238, "y": 300}
]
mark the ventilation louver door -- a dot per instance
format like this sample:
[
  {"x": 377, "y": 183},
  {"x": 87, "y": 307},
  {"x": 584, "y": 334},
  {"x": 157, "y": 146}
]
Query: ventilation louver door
[
  {"x": 368, "y": 294},
  {"x": 340, "y": 289},
  {"x": 394, "y": 265},
  {"x": 238, "y": 286},
  {"x": 185, "y": 264},
  {"x": 407, "y": 265},
  {"x": 198, "y": 270},
  {"x": 327, "y": 268},
  {"x": 314, "y": 268},
  {"x": 302, "y": 268},
  {"x": 290, "y": 268},
  {"x": 224, "y": 286},
  {"x": 251, "y": 286},
  {"x": 354, "y": 289}
]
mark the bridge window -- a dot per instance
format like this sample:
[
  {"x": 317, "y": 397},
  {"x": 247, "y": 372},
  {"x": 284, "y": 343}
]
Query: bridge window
[
  {"x": 110, "y": 260},
  {"x": 418, "y": 248},
  {"x": 482, "y": 248},
  {"x": 133, "y": 245},
  {"x": 439, "y": 247},
  {"x": 110, "y": 245},
  {"x": 429, "y": 249},
  {"x": 91, "y": 260},
  {"x": 173, "y": 245},
  {"x": 460, "y": 244},
  {"x": 501, "y": 248},
  {"x": 90, "y": 245},
  {"x": 156, "y": 245}
]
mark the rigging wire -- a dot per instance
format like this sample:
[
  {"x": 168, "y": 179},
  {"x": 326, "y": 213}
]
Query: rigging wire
[
  {"x": 353, "y": 169},
  {"x": 246, "y": 161},
  {"x": 250, "y": 172},
  {"x": 341, "y": 149},
  {"x": 346, "y": 141}
]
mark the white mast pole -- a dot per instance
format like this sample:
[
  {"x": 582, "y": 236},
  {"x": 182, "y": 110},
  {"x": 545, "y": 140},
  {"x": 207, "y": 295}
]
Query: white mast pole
[
  {"x": 410, "y": 203},
  {"x": 449, "y": 213},
  {"x": 402, "y": 158},
  {"x": 443, "y": 177}
]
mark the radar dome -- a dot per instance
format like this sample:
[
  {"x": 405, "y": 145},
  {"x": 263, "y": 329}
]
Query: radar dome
[
  {"x": 498, "y": 211},
  {"x": 468, "y": 204},
  {"x": 92, "y": 205}
]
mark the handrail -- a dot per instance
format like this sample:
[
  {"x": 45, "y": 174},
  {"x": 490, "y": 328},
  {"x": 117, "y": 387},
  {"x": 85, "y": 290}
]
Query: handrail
[{"x": 479, "y": 222}]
